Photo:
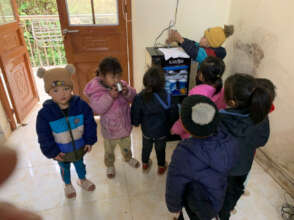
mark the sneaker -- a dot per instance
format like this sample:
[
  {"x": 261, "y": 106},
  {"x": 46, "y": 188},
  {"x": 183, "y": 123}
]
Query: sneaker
[
  {"x": 162, "y": 169},
  {"x": 146, "y": 166},
  {"x": 110, "y": 172},
  {"x": 69, "y": 191},
  {"x": 134, "y": 163}
]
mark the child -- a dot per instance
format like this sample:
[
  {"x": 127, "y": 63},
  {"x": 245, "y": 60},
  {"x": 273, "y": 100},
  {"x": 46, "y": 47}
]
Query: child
[
  {"x": 66, "y": 127},
  {"x": 209, "y": 45},
  {"x": 148, "y": 111},
  {"x": 209, "y": 84},
  {"x": 270, "y": 87},
  {"x": 200, "y": 165},
  {"x": 246, "y": 119},
  {"x": 113, "y": 107}
]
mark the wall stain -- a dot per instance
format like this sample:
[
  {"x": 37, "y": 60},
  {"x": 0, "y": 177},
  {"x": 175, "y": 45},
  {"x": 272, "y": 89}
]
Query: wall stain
[{"x": 254, "y": 52}]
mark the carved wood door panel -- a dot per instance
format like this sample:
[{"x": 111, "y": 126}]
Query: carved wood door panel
[{"x": 15, "y": 65}]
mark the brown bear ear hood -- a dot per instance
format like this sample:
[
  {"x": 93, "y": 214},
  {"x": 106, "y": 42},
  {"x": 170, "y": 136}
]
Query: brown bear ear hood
[
  {"x": 41, "y": 72},
  {"x": 70, "y": 68},
  {"x": 58, "y": 76}
]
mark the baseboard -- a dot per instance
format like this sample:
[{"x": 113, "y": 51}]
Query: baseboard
[{"x": 276, "y": 172}]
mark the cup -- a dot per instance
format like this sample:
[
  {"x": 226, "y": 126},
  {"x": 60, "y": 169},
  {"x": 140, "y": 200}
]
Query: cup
[{"x": 119, "y": 86}]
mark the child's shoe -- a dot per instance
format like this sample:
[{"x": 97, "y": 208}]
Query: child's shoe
[
  {"x": 162, "y": 169},
  {"x": 110, "y": 172},
  {"x": 86, "y": 185},
  {"x": 134, "y": 163},
  {"x": 146, "y": 166},
  {"x": 69, "y": 191}
]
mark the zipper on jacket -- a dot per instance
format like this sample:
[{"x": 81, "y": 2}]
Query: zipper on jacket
[{"x": 71, "y": 135}]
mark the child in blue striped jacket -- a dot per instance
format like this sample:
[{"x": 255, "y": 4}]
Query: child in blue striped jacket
[{"x": 66, "y": 127}]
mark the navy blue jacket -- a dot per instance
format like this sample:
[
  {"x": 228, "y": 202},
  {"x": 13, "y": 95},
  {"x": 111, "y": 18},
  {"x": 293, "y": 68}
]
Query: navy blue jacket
[
  {"x": 151, "y": 115},
  {"x": 204, "y": 161},
  {"x": 59, "y": 133},
  {"x": 250, "y": 136},
  {"x": 198, "y": 53}
]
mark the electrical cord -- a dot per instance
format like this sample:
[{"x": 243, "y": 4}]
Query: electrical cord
[{"x": 171, "y": 25}]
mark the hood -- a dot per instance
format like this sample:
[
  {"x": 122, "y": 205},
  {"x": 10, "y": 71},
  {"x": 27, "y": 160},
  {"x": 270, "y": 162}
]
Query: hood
[
  {"x": 216, "y": 151},
  {"x": 237, "y": 122},
  {"x": 94, "y": 86},
  {"x": 220, "y": 52}
]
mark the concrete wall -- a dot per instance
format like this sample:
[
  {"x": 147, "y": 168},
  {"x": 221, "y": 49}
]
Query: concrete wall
[
  {"x": 263, "y": 46},
  {"x": 152, "y": 16}
]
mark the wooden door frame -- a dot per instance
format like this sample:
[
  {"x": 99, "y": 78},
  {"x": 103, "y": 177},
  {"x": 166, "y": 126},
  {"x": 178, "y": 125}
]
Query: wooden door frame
[
  {"x": 126, "y": 7},
  {"x": 129, "y": 23}
]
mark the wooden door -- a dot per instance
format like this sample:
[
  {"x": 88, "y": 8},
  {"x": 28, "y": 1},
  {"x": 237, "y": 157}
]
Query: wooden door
[
  {"x": 92, "y": 30},
  {"x": 15, "y": 66}
]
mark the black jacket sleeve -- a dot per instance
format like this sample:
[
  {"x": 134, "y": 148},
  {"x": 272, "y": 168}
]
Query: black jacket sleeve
[{"x": 191, "y": 48}]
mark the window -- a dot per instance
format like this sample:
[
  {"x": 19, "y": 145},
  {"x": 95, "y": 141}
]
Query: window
[{"x": 93, "y": 12}]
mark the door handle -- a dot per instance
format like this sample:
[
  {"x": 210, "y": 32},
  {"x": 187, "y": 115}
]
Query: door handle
[{"x": 66, "y": 31}]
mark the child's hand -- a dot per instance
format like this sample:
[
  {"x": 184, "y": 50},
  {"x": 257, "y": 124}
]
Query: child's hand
[
  {"x": 59, "y": 157},
  {"x": 113, "y": 92},
  {"x": 88, "y": 148},
  {"x": 173, "y": 35},
  {"x": 125, "y": 90}
]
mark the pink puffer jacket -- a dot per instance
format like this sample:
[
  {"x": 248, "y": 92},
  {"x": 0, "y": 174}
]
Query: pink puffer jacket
[
  {"x": 115, "y": 113},
  {"x": 205, "y": 90}
]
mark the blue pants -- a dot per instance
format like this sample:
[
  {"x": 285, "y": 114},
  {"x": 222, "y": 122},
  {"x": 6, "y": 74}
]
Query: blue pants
[{"x": 65, "y": 170}]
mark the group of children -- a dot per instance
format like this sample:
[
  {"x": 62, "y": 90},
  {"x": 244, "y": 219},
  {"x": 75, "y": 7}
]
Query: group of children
[{"x": 221, "y": 127}]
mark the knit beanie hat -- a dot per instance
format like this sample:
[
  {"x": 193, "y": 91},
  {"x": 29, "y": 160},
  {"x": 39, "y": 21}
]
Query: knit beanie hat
[
  {"x": 217, "y": 35},
  {"x": 199, "y": 115},
  {"x": 57, "y": 76}
]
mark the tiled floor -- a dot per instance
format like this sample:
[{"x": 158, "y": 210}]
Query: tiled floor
[{"x": 131, "y": 195}]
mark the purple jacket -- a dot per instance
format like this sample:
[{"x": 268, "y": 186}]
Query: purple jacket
[
  {"x": 115, "y": 117},
  {"x": 205, "y": 90}
]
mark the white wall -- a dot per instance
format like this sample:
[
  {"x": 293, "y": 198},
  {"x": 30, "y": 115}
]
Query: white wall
[
  {"x": 151, "y": 16},
  {"x": 263, "y": 45}
]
